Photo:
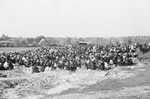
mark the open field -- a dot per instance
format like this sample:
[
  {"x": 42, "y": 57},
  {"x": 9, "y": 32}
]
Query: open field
[{"x": 10, "y": 49}]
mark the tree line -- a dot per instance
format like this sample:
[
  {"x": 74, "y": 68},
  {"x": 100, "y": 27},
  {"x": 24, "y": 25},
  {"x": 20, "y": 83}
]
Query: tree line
[{"x": 53, "y": 41}]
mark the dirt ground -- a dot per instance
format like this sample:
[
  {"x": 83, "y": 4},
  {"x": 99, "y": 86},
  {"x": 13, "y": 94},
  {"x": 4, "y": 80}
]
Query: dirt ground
[{"x": 130, "y": 82}]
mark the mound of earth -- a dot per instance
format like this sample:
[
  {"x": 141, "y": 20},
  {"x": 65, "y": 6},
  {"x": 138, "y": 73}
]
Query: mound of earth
[{"x": 129, "y": 81}]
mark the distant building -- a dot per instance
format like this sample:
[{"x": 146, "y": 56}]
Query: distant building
[
  {"x": 43, "y": 42},
  {"x": 84, "y": 43},
  {"x": 34, "y": 44},
  {"x": 7, "y": 44}
]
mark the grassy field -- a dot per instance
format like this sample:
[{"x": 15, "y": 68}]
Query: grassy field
[{"x": 11, "y": 49}]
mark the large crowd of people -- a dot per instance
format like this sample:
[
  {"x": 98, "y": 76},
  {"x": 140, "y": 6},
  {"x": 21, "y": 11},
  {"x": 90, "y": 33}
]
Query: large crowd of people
[{"x": 94, "y": 57}]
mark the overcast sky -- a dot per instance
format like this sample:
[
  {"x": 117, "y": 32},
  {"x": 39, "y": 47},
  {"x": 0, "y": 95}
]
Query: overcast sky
[{"x": 74, "y": 18}]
